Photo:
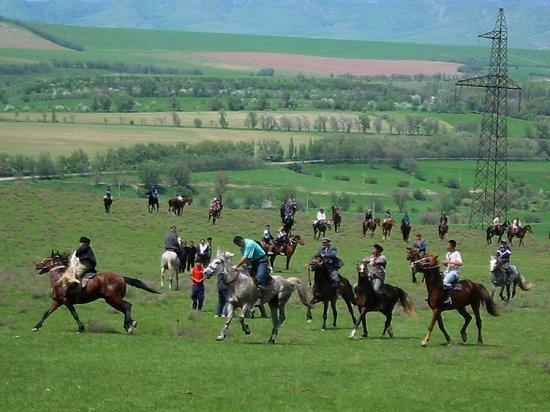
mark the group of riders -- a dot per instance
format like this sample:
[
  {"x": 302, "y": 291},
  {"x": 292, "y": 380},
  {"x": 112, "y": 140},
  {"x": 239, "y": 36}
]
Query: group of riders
[{"x": 498, "y": 224}]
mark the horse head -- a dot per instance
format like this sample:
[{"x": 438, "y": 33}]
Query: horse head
[
  {"x": 220, "y": 265},
  {"x": 426, "y": 263},
  {"x": 298, "y": 240},
  {"x": 361, "y": 268},
  {"x": 56, "y": 258},
  {"x": 315, "y": 263}
]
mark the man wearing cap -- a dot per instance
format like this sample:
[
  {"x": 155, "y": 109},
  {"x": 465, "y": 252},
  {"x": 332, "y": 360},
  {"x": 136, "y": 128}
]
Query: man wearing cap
[
  {"x": 376, "y": 264},
  {"x": 254, "y": 255},
  {"x": 328, "y": 253},
  {"x": 85, "y": 263},
  {"x": 503, "y": 254},
  {"x": 172, "y": 242}
]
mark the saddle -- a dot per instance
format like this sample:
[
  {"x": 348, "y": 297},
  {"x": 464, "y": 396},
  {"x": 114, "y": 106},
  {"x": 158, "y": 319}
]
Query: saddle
[{"x": 86, "y": 278}]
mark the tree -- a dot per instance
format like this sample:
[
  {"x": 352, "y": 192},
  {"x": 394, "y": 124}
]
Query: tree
[
  {"x": 220, "y": 183},
  {"x": 291, "y": 149},
  {"x": 45, "y": 166},
  {"x": 174, "y": 103},
  {"x": 364, "y": 123},
  {"x": 180, "y": 173},
  {"x": 224, "y": 124},
  {"x": 400, "y": 196},
  {"x": 176, "y": 119},
  {"x": 124, "y": 102},
  {"x": 269, "y": 150},
  {"x": 251, "y": 120},
  {"x": 149, "y": 173}
]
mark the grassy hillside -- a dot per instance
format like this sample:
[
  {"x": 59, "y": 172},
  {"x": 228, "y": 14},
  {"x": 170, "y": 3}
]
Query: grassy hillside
[{"x": 173, "y": 361}]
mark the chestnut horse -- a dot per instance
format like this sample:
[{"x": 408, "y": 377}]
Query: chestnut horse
[
  {"x": 387, "y": 227},
  {"x": 105, "y": 285},
  {"x": 465, "y": 292},
  {"x": 323, "y": 291},
  {"x": 442, "y": 230},
  {"x": 520, "y": 234},
  {"x": 288, "y": 250},
  {"x": 370, "y": 225},
  {"x": 336, "y": 218},
  {"x": 176, "y": 205},
  {"x": 368, "y": 302}
]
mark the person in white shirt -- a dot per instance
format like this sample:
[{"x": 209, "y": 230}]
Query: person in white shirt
[
  {"x": 452, "y": 261},
  {"x": 321, "y": 216}
]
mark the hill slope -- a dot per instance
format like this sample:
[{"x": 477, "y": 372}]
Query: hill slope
[{"x": 422, "y": 21}]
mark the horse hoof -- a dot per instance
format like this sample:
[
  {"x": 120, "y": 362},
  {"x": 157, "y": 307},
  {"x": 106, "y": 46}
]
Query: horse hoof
[
  {"x": 134, "y": 323},
  {"x": 220, "y": 338},
  {"x": 424, "y": 344},
  {"x": 390, "y": 333},
  {"x": 35, "y": 330},
  {"x": 130, "y": 330},
  {"x": 464, "y": 337},
  {"x": 309, "y": 320}
]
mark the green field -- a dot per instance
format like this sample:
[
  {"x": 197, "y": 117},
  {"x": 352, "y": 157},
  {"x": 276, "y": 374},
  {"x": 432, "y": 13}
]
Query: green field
[{"x": 173, "y": 361}]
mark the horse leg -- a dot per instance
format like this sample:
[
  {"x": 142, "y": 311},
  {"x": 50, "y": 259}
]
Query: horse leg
[
  {"x": 350, "y": 309},
  {"x": 228, "y": 319},
  {"x": 361, "y": 319},
  {"x": 277, "y": 318},
  {"x": 309, "y": 317},
  {"x": 387, "y": 324},
  {"x": 288, "y": 261},
  {"x": 436, "y": 317},
  {"x": 126, "y": 309},
  {"x": 73, "y": 311},
  {"x": 475, "y": 307},
  {"x": 443, "y": 330},
  {"x": 334, "y": 312},
  {"x": 325, "y": 310},
  {"x": 53, "y": 306},
  {"x": 245, "y": 310},
  {"x": 467, "y": 319}
]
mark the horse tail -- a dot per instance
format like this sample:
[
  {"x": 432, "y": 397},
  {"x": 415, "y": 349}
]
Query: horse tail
[
  {"x": 138, "y": 284},
  {"x": 302, "y": 290},
  {"x": 406, "y": 303},
  {"x": 486, "y": 298},
  {"x": 523, "y": 284}
]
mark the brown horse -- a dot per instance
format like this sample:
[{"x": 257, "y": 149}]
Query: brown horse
[
  {"x": 465, "y": 293},
  {"x": 442, "y": 230},
  {"x": 214, "y": 213},
  {"x": 336, "y": 218},
  {"x": 368, "y": 302},
  {"x": 499, "y": 231},
  {"x": 323, "y": 291},
  {"x": 370, "y": 225},
  {"x": 106, "y": 285},
  {"x": 288, "y": 251},
  {"x": 319, "y": 228},
  {"x": 520, "y": 234},
  {"x": 176, "y": 205},
  {"x": 405, "y": 231},
  {"x": 387, "y": 227}
]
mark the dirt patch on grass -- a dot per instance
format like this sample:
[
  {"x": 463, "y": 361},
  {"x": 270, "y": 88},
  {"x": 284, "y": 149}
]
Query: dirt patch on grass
[
  {"x": 13, "y": 37},
  {"x": 325, "y": 65}
]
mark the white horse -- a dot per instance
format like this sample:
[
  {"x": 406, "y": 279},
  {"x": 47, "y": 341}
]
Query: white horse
[
  {"x": 243, "y": 293},
  {"x": 169, "y": 261}
]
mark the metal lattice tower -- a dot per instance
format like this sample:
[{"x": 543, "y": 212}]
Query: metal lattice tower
[{"x": 490, "y": 189}]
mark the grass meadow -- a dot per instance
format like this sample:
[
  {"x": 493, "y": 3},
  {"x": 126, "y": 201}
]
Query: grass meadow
[{"x": 173, "y": 362}]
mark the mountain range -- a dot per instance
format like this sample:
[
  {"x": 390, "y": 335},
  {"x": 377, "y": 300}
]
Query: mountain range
[{"x": 457, "y": 22}]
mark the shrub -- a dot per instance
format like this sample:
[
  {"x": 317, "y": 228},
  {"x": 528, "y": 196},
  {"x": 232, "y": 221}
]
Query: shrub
[
  {"x": 342, "y": 178},
  {"x": 419, "y": 195},
  {"x": 403, "y": 183},
  {"x": 453, "y": 183},
  {"x": 371, "y": 180}
]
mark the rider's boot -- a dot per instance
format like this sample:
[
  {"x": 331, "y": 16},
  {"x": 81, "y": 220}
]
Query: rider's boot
[
  {"x": 380, "y": 297},
  {"x": 448, "y": 300}
]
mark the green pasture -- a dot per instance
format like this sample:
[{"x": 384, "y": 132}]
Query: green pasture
[{"x": 172, "y": 362}]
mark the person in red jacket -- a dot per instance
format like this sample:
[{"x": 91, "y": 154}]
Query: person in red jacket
[{"x": 197, "y": 290}]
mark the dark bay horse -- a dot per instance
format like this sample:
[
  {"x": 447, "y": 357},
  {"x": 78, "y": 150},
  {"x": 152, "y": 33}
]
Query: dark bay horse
[
  {"x": 442, "y": 230},
  {"x": 336, "y": 218},
  {"x": 500, "y": 279},
  {"x": 287, "y": 213},
  {"x": 323, "y": 291},
  {"x": 387, "y": 227},
  {"x": 520, "y": 234},
  {"x": 153, "y": 202},
  {"x": 214, "y": 213},
  {"x": 465, "y": 292},
  {"x": 107, "y": 202},
  {"x": 176, "y": 205},
  {"x": 105, "y": 285},
  {"x": 405, "y": 231},
  {"x": 370, "y": 225},
  {"x": 319, "y": 228},
  {"x": 368, "y": 302},
  {"x": 499, "y": 231},
  {"x": 288, "y": 251}
]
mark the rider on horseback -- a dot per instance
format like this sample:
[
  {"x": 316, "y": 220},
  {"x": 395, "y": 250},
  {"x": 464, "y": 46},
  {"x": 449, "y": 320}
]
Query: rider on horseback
[
  {"x": 369, "y": 216},
  {"x": 321, "y": 216},
  {"x": 332, "y": 263},
  {"x": 282, "y": 238},
  {"x": 516, "y": 225},
  {"x": 268, "y": 238},
  {"x": 172, "y": 242},
  {"x": 85, "y": 263},
  {"x": 406, "y": 219},
  {"x": 257, "y": 258},
  {"x": 154, "y": 192},
  {"x": 387, "y": 216},
  {"x": 453, "y": 261},
  {"x": 108, "y": 193},
  {"x": 503, "y": 253},
  {"x": 496, "y": 222},
  {"x": 419, "y": 246},
  {"x": 443, "y": 218},
  {"x": 376, "y": 264}
]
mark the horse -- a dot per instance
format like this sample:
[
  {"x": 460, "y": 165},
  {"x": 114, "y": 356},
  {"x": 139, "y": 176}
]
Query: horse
[
  {"x": 153, "y": 202},
  {"x": 176, "y": 204},
  {"x": 499, "y": 231},
  {"x": 243, "y": 293},
  {"x": 107, "y": 202},
  {"x": 367, "y": 301},
  {"x": 323, "y": 291},
  {"x": 169, "y": 261},
  {"x": 520, "y": 234},
  {"x": 465, "y": 292},
  {"x": 499, "y": 279},
  {"x": 405, "y": 231},
  {"x": 214, "y": 213},
  {"x": 336, "y": 218},
  {"x": 288, "y": 251},
  {"x": 288, "y": 224},
  {"x": 370, "y": 225},
  {"x": 320, "y": 227},
  {"x": 105, "y": 285},
  {"x": 442, "y": 230},
  {"x": 387, "y": 227}
]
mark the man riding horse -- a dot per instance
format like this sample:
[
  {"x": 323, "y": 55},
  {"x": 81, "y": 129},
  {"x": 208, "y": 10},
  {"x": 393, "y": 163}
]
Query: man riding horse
[
  {"x": 503, "y": 253},
  {"x": 376, "y": 264},
  {"x": 86, "y": 262},
  {"x": 254, "y": 255},
  {"x": 332, "y": 263}
]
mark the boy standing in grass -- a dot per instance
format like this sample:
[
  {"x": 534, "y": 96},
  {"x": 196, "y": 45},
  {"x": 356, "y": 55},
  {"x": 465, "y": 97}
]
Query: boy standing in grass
[{"x": 197, "y": 290}]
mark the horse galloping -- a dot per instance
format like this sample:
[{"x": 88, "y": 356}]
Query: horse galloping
[
  {"x": 499, "y": 278},
  {"x": 153, "y": 202},
  {"x": 370, "y": 225},
  {"x": 320, "y": 227},
  {"x": 214, "y": 213},
  {"x": 520, "y": 234},
  {"x": 170, "y": 262},
  {"x": 442, "y": 230},
  {"x": 176, "y": 204},
  {"x": 243, "y": 293},
  {"x": 107, "y": 202},
  {"x": 336, "y": 218},
  {"x": 323, "y": 291},
  {"x": 288, "y": 250},
  {"x": 499, "y": 231},
  {"x": 105, "y": 285},
  {"x": 387, "y": 226},
  {"x": 405, "y": 231},
  {"x": 465, "y": 292},
  {"x": 367, "y": 301}
]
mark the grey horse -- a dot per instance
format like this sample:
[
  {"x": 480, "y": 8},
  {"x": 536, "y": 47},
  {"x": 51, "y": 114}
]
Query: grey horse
[
  {"x": 170, "y": 262},
  {"x": 243, "y": 293},
  {"x": 499, "y": 280}
]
